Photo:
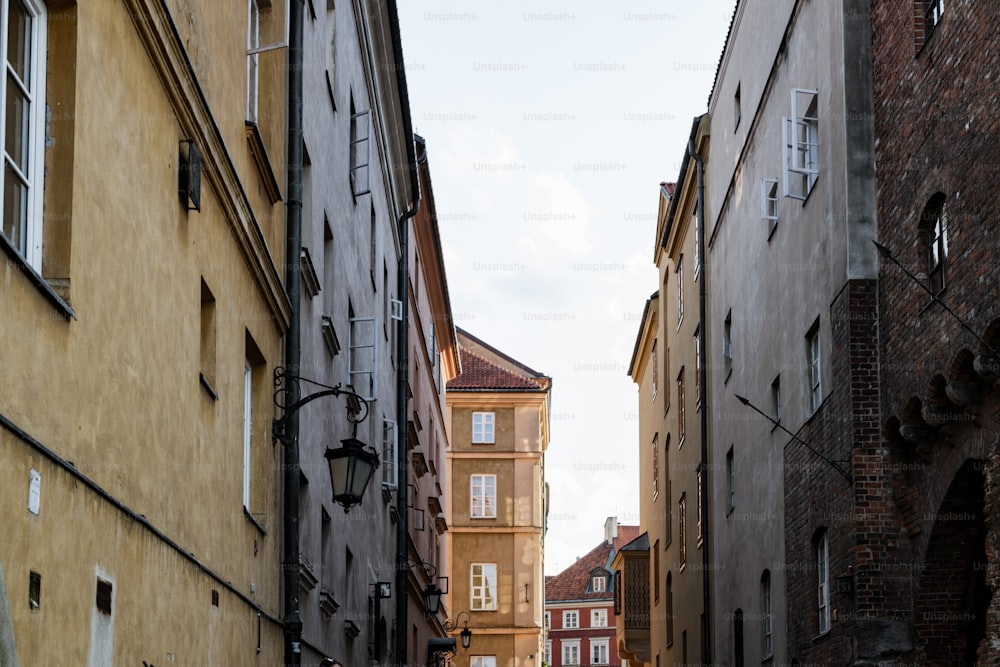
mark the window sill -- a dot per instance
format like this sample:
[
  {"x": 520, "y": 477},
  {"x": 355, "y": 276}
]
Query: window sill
[
  {"x": 767, "y": 659},
  {"x": 256, "y": 524},
  {"x": 37, "y": 280},
  {"x": 821, "y": 636},
  {"x": 263, "y": 162},
  {"x": 214, "y": 395}
]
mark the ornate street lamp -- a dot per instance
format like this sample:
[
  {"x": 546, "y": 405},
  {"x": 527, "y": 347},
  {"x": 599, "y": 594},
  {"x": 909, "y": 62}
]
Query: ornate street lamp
[
  {"x": 466, "y": 633},
  {"x": 353, "y": 464}
]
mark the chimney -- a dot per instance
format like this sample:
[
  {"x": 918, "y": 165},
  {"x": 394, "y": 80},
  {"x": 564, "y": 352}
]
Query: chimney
[{"x": 611, "y": 530}]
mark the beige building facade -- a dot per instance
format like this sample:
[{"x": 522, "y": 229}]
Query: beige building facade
[
  {"x": 498, "y": 431},
  {"x": 142, "y": 327}
]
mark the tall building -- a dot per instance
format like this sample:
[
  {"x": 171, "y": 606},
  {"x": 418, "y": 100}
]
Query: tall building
[
  {"x": 579, "y": 605},
  {"x": 790, "y": 217},
  {"x": 667, "y": 619},
  {"x": 358, "y": 189},
  {"x": 433, "y": 361},
  {"x": 143, "y": 311},
  {"x": 926, "y": 490},
  {"x": 498, "y": 431}
]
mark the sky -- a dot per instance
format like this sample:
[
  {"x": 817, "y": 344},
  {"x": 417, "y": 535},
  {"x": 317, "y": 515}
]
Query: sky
[{"x": 549, "y": 127}]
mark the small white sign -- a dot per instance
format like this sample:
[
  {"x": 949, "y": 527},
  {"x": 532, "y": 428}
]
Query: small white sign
[{"x": 34, "y": 491}]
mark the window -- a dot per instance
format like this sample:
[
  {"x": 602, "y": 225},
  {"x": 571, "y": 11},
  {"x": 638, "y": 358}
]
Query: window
[
  {"x": 766, "y": 615},
  {"x": 727, "y": 344},
  {"x": 363, "y": 356},
  {"x": 484, "y": 497},
  {"x": 483, "y": 661},
  {"x": 738, "y": 658},
  {"x": 700, "y": 524},
  {"x": 656, "y": 572},
  {"x": 656, "y": 466},
  {"x": 730, "y": 481},
  {"x": 389, "y": 453},
  {"x": 769, "y": 203},
  {"x": 482, "y": 428},
  {"x": 696, "y": 226},
  {"x": 934, "y": 231},
  {"x": 253, "y": 56},
  {"x": 800, "y": 136},
  {"x": 599, "y": 617},
  {"x": 372, "y": 245},
  {"x": 548, "y": 651},
  {"x": 776, "y": 398},
  {"x": 737, "y": 110},
  {"x": 599, "y": 584},
  {"x": 680, "y": 291},
  {"x": 599, "y": 651},
  {"x": 670, "y": 609},
  {"x": 23, "y": 93},
  {"x": 331, "y": 51},
  {"x": 484, "y": 586},
  {"x": 681, "y": 531},
  {"x": 823, "y": 584},
  {"x": 668, "y": 523},
  {"x": 548, "y": 620},
  {"x": 571, "y": 619},
  {"x": 360, "y": 151},
  {"x": 571, "y": 652},
  {"x": 933, "y": 13},
  {"x": 208, "y": 340},
  {"x": 815, "y": 368},
  {"x": 680, "y": 408},
  {"x": 247, "y": 430},
  {"x": 697, "y": 367},
  {"x": 654, "y": 361}
]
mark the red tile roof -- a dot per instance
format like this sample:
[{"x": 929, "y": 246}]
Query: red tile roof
[
  {"x": 671, "y": 188},
  {"x": 625, "y": 535},
  {"x": 573, "y": 582},
  {"x": 481, "y": 374}
]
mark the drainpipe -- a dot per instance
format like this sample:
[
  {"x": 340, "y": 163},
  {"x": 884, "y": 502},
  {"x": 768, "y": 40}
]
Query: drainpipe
[
  {"x": 703, "y": 398},
  {"x": 402, "y": 347},
  {"x": 292, "y": 620}
]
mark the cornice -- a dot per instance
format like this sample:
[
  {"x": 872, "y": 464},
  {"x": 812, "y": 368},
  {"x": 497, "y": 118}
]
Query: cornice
[{"x": 163, "y": 44}]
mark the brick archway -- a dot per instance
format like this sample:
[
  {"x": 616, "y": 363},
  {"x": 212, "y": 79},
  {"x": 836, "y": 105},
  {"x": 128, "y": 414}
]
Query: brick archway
[{"x": 952, "y": 597}]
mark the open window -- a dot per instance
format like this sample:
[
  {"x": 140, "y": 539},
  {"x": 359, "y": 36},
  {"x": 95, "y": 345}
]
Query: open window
[{"x": 800, "y": 137}]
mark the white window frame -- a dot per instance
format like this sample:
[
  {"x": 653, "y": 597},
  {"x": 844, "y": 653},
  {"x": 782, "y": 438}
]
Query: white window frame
[
  {"x": 253, "y": 60},
  {"x": 769, "y": 202},
  {"x": 360, "y": 152},
  {"x": 28, "y": 238},
  {"x": 599, "y": 584},
  {"x": 548, "y": 620},
  {"x": 363, "y": 376},
  {"x": 767, "y": 615},
  {"x": 815, "y": 368},
  {"x": 247, "y": 430},
  {"x": 548, "y": 651},
  {"x": 483, "y": 586},
  {"x": 933, "y": 13},
  {"x": 483, "y": 661},
  {"x": 656, "y": 465},
  {"x": 571, "y": 652},
  {"x": 937, "y": 251},
  {"x": 483, "y": 428},
  {"x": 800, "y": 138},
  {"x": 597, "y": 655},
  {"x": 571, "y": 619},
  {"x": 823, "y": 584},
  {"x": 483, "y": 496},
  {"x": 599, "y": 617},
  {"x": 390, "y": 448}
]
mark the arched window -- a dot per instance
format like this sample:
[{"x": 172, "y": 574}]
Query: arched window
[
  {"x": 738, "y": 660},
  {"x": 934, "y": 241}
]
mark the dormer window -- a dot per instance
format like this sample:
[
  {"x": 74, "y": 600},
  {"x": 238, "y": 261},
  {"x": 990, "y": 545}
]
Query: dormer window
[{"x": 599, "y": 583}]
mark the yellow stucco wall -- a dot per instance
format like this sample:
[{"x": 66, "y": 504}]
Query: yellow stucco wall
[{"x": 116, "y": 391}]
